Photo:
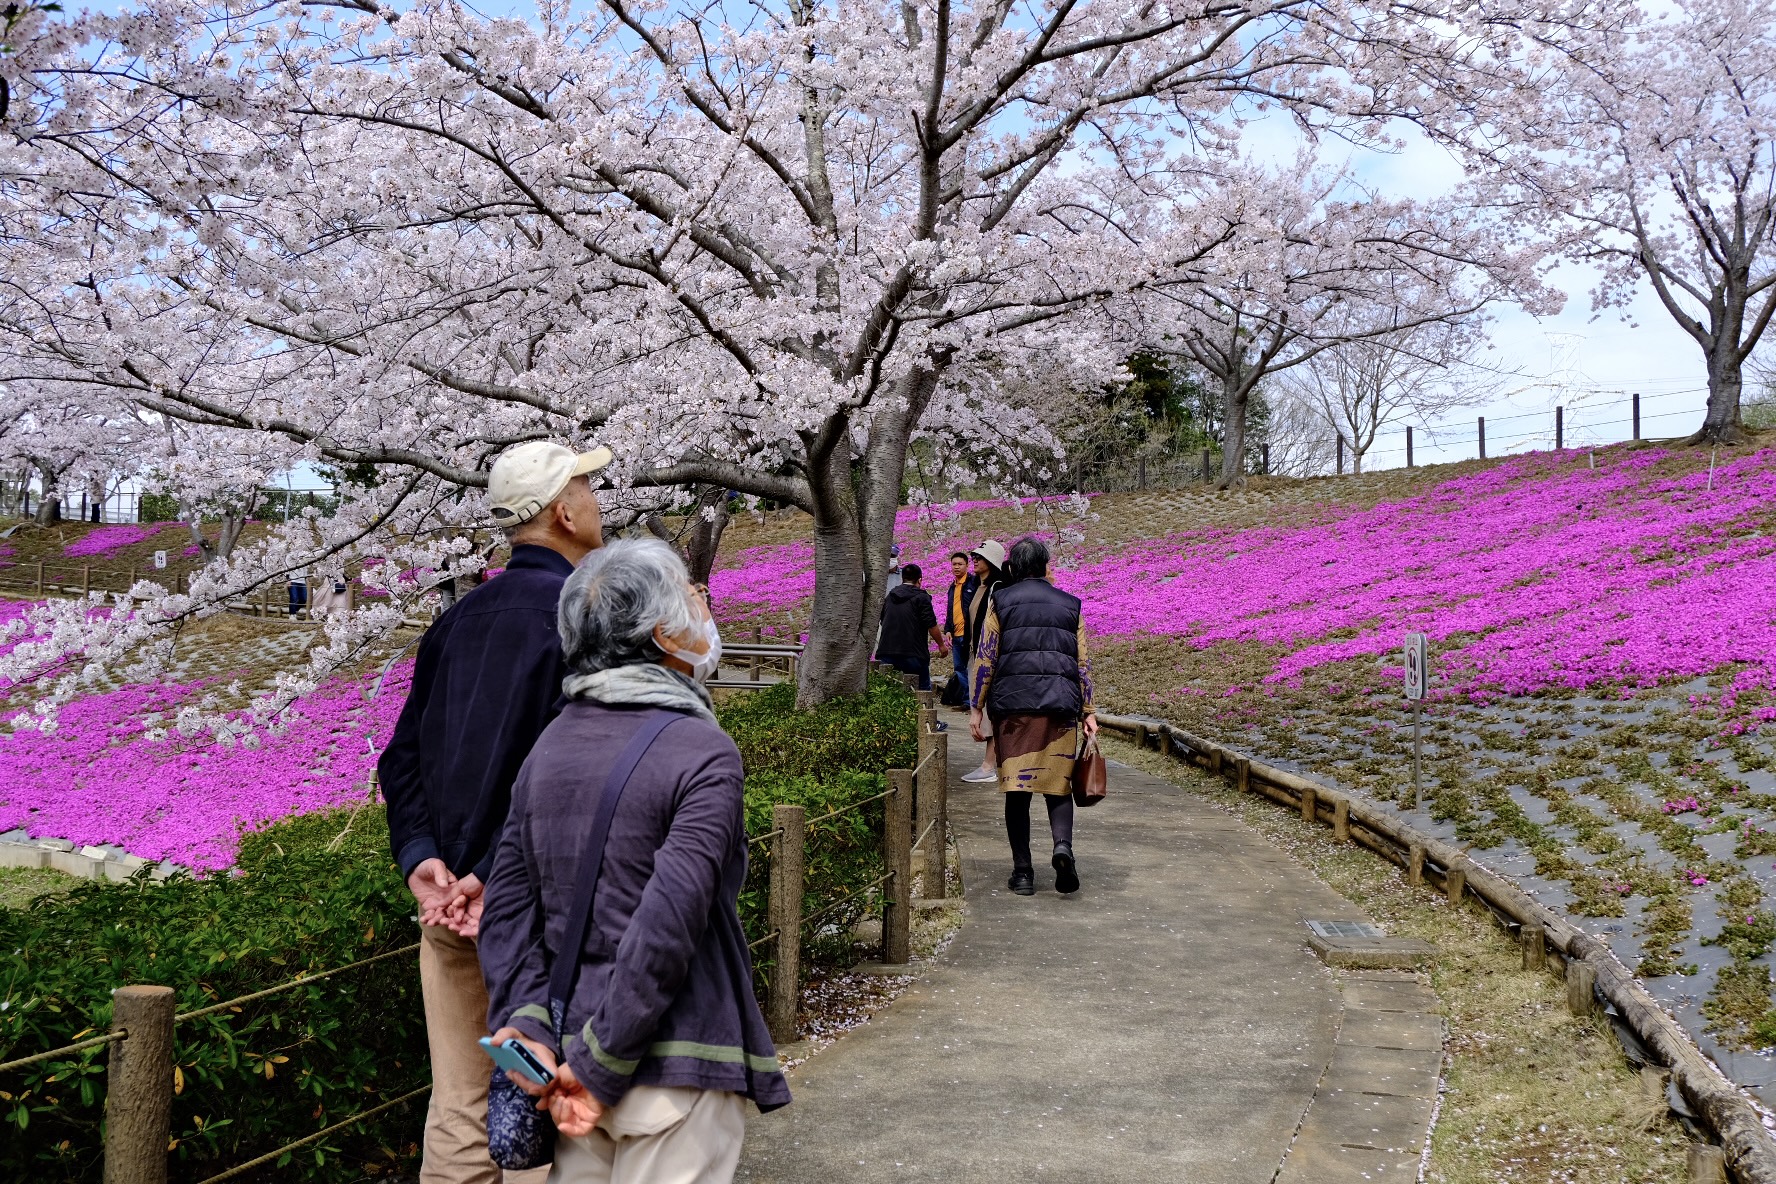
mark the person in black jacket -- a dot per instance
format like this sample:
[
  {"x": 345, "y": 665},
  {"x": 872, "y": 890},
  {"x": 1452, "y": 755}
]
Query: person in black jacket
[
  {"x": 908, "y": 619},
  {"x": 486, "y": 682},
  {"x": 1032, "y": 680}
]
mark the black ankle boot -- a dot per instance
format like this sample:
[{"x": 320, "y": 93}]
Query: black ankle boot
[
  {"x": 1022, "y": 882},
  {"x": 1066, "y": 874}
]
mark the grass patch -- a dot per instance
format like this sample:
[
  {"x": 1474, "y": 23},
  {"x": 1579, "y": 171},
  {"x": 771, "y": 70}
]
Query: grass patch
[
  {"x": 20, "y": 886},
  {"x": 1533, "y": 1093}
]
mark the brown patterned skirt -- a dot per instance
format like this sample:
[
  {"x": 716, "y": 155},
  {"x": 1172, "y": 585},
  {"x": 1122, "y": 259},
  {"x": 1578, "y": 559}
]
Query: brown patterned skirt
[{"x": 1036, "y": 753}]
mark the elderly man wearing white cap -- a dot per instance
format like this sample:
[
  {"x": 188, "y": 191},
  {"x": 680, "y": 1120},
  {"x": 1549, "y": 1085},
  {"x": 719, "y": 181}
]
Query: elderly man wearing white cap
[{"x": 486, "y": 682}]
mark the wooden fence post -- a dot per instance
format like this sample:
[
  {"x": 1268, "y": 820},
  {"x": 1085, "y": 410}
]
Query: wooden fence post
[
  {"x": 788, "y": 861},
  {"x": 1706, "y": 1164},
  {"x": 933, "y": 772},
  {"x": 1535, "y": 947},
  {"x": 1242, "y": 774},
  {"x": 1341, "y": 819},
  {"x": 40, "y": 577},
  {"x": 139, "y": 1086},
  {"x": 86, "y": 578},
  {"x": 132, "y": 575},
  {"x": 1455, "y": 883},
  {"x": 897, "y": 852},
  {"x": 1309, "y": 804},
  {"x": 1581, "y": 982},
  {"x": 1415, "y": 864}
]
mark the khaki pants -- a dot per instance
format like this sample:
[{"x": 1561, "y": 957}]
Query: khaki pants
[
  {"x": 456, "y": 1017},
  {"x": 658, "y": 1135}
]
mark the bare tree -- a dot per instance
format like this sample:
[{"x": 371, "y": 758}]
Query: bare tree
[
  {"x": 1365, "y": 383},
  {"x": 1303, "y": 442}
]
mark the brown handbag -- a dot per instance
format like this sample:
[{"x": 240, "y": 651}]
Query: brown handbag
[{"x": 1091, "y": 775}]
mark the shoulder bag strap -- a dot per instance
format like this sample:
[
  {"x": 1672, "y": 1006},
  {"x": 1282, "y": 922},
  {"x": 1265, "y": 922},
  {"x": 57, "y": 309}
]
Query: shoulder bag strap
[{"x": 567, "y": 961}]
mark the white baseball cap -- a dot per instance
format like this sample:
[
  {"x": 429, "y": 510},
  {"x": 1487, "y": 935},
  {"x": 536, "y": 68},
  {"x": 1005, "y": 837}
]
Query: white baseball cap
[
  {"x": 992, "y": 552},
  {"x": 527, "y": 477}
]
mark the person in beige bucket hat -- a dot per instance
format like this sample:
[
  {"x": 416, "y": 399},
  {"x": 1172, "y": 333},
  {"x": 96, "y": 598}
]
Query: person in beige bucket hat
[
  {"x": 989, "y": 570},
  {"x": 486, "y": 682}
]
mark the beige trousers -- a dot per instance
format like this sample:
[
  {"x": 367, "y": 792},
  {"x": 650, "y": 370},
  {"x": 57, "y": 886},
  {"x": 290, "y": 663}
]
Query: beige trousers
[
  {"x": 456, "y": 1017},
  {"x": 658, "y": 1135}
]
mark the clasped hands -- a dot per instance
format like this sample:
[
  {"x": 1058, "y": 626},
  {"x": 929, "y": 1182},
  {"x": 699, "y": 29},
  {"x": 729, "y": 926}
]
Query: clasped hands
[
  {"x": 570, "y": 1105},
  {"x": 445, "y": 900}
]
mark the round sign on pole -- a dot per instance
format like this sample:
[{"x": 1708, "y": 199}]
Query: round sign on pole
[{"x": 1417, "y": 660}]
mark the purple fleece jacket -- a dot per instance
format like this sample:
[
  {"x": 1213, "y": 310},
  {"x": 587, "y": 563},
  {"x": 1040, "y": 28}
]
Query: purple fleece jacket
[{"x": 664, "y": 991}]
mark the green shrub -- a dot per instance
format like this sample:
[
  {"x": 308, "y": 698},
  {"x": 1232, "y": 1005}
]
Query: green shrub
[
  {"x": 158, "y": 507},
  {"x": 312, "y": 893},
  {"x": 822, "y": 760},
  {"x": 843, "y": 855},
  {"x": 872, "y": 732}
]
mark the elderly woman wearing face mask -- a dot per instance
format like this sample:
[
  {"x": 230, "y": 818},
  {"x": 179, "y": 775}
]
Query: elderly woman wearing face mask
[{"x": 661, "y": 1038}]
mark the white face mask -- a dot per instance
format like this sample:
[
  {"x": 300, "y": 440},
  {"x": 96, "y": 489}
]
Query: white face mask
[{"x": 703, "y": 666}]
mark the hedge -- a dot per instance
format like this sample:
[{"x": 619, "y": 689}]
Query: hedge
[
  {"x": 310, "y": 894},
  {"x": 317, "y": 892}
]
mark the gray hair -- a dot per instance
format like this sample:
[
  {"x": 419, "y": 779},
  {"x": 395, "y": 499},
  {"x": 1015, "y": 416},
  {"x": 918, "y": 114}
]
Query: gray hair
[
  {"x": 1028, "y": 559},
  {"x": 616, "y": 597}
]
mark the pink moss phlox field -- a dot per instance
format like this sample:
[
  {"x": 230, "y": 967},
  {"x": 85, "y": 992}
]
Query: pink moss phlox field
[
  {"x": 107, "y": 539},
  {"x": 99, "y": 779},
  {"x": 1537, "y": 573}
]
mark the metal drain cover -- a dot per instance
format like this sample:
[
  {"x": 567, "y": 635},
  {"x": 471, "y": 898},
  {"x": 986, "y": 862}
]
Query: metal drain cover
[{"x": 1345, "y": 929}]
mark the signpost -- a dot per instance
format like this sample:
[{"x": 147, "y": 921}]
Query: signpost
[
  {"x": 1417, "y": 674},
  {"x": 160, "y": 560}
]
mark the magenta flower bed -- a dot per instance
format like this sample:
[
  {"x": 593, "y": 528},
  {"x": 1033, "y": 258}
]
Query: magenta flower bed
[
  {"x": 1536, "y": 573},
  {"x": 98, "y": 779},
  {"x": 107, "y": 539}
]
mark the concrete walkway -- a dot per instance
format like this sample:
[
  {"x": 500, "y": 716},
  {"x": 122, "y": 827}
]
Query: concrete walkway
[{"x": 1167, "y": 1022}]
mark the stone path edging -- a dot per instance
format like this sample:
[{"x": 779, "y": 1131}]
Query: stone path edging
[{"x": 100, "y": 861}]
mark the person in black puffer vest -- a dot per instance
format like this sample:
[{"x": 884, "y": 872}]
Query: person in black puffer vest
[{"x": 1032, "y": 680}]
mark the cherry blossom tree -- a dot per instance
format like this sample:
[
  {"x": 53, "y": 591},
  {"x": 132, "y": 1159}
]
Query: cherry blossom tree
[
  {"x": 1316, "y": 265},
  {"x": 1651, "y": 153},
  {"x": 760, "y": 250}
]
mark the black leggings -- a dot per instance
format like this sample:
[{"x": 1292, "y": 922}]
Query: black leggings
[{"x": 1017, "y": 822}]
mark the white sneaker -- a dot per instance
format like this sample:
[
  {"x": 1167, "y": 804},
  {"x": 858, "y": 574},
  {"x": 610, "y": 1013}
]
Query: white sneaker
[{"x": 980, "y": 776}]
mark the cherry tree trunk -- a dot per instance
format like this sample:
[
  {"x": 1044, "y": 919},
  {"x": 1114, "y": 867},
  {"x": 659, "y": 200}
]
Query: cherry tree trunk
[
  {"x": 49, "y": 511},
  {"x": 837, "y": 655},
  {"x": 706, "y": 532},
  {"x": 1235, "y": 397},
  {"x": 1722, "y": 424}
]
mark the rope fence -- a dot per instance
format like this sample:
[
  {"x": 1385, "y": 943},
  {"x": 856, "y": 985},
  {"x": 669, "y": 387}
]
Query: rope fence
[
  {"x": 853, "y": 895},
  {"x": 228, "y": 1004},
  {"x": 52, "y": 1054},
  {"x": 269, "y": 1156}
]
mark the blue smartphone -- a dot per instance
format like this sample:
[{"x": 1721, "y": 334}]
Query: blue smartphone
[{"x": 513, "y": 1056}]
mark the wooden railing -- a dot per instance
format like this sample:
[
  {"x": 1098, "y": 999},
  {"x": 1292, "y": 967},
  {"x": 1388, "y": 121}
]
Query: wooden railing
[{"x": 745, "y": 663}]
